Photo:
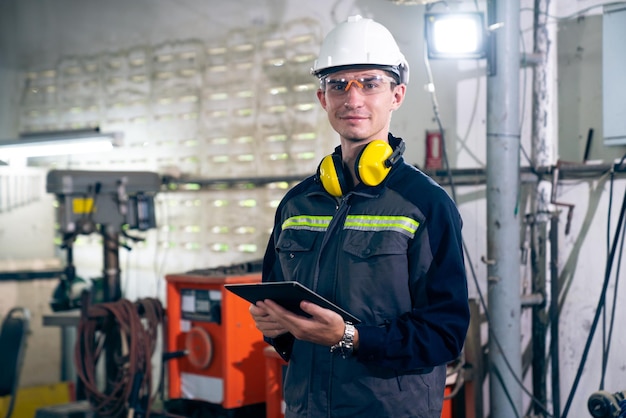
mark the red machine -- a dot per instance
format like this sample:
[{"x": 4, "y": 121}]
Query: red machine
[
  {"x": 275, "y": 369},
  {"x": 225, "y": 364}
]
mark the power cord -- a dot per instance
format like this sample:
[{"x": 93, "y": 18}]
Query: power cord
[
  {"x": 128, "y": 331},
  {"x": 606, "y": 348},
  {"x": 601, "y": 303}
]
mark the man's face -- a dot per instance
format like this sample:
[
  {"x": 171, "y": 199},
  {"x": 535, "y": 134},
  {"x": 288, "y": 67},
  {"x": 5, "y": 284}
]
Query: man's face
[{"x": 359, "y": 103}]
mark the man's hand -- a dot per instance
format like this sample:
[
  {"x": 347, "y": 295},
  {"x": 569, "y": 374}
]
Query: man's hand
[
  {"x": 265, "y": 321},
  {"x": 325, "y": 327}
]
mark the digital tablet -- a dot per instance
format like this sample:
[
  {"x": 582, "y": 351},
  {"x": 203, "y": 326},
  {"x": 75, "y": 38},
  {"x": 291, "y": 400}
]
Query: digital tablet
[{"x": 288, "y": 295}]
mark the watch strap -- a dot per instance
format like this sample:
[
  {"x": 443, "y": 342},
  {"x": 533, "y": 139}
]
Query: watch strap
[{"x": 345, "y": 346}]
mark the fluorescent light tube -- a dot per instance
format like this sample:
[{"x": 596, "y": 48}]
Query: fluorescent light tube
[{"x": 58, "y": 143}]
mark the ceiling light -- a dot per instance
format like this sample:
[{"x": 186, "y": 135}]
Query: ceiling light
[{"x": 43, "y": 144}]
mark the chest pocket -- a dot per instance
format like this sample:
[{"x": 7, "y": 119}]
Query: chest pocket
[
  {"x": 368, "y": 236},
  {"x": 296, "y": 253},
  {"x": 367, "y": 244},
  {"x": 296, "y": 240}
]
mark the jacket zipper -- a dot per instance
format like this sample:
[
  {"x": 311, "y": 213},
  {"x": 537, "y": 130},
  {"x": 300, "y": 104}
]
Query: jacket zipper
[
  {"x": 338, "y": 219},
  {"x": 340, "y": 211}
]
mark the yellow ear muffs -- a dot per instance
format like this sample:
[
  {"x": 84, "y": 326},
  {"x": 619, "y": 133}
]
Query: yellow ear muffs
[
  {"x": 372, "y": 165},
  {"x": 330, "y": 173}
]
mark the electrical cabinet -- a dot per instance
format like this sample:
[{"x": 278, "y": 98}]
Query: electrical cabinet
[{"x": 224, "y": 364}]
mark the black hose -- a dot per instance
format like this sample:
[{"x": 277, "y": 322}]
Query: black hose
[{"x": 599, "y": 309}]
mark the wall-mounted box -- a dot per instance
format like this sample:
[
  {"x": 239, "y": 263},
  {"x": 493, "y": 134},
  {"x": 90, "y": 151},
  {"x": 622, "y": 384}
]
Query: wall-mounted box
[{"x": 613, "y": 80}]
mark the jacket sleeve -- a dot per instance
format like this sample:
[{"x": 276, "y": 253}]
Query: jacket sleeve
[
  {"x": 273, "y": 273},
  {"x": 434, "y": 331}
]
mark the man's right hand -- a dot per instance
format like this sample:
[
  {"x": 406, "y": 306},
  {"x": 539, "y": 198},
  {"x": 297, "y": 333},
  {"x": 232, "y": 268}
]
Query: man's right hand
[
  {"x": 323, "y": 327},
  {"x": 264, "y": 322}
]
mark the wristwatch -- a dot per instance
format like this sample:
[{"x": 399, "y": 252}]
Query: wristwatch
[{"x": 345, "y": 346}]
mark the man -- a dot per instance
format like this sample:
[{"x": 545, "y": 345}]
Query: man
[{"x": 375, "y": 236}]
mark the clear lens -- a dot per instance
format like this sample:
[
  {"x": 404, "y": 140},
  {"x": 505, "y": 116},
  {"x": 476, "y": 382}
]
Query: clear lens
[{"x": 368, "y": 85}]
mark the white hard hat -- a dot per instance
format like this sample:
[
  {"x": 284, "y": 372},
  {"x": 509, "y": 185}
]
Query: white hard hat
[{"x": 360, "y": 42}]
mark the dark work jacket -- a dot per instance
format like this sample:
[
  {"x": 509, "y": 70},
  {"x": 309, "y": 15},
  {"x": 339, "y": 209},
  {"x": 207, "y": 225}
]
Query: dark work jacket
[{"x": 392, "y": 256}]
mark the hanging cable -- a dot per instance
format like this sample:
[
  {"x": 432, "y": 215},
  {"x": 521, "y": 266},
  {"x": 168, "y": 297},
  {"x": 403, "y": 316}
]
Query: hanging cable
[
  {"x": 606, "y": 346},
  {"x": 130, "y": 331},
  {"x": 599, "y": 308}
]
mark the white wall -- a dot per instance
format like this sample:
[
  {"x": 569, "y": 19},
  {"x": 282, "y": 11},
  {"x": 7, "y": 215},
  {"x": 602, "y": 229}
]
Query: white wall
[{"x": 41, "y": 32}]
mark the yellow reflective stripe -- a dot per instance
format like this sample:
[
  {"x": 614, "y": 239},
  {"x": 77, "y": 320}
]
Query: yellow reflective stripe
[
  {"x": 312, "y": 223},
  {"x": 401, "y": 224}
]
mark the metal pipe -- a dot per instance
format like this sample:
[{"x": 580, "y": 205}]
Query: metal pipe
[
  {"x": 503, "y": 144},
  {"x": 539, "y": 315},
  {"x": 112, "y": 288},
  {"x": 462, "y": 176},
  {"x": 554, "y": 314},
  {"x": 533, "y": 299},
  {"x": 544, "y": 130}
]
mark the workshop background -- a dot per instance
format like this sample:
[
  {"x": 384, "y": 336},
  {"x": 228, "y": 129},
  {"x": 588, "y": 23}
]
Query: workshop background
[{"x": 216, "y": 97}]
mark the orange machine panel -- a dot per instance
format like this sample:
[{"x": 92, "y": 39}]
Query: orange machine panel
[
  {"x": 224, "y": 364},
  {"x": 274, "y": 369}
]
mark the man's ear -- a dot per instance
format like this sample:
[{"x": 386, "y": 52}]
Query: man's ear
[
  {"x": 398, "y": 96},
  {"x": 322, "y": 98}
]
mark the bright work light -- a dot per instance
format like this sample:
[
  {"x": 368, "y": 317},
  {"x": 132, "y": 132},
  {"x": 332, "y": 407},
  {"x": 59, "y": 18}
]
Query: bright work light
[
  {"x": 455, "y": 35},
  {"x": 58, "y": 143}
]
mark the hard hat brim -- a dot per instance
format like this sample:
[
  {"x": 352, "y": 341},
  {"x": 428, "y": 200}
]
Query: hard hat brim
[{"x": 323, "y": 72}]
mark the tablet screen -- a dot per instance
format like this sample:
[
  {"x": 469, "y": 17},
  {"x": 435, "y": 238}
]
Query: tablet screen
[{"x": 288, "y": 294}]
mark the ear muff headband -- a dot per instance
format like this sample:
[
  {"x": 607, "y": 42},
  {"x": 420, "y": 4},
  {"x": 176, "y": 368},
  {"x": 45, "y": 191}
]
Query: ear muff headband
[{"x": 330, "y": 172}]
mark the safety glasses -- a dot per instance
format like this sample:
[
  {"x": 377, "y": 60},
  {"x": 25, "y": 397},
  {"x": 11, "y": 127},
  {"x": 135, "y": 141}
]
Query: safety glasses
[{"x": 373, "y": 84}]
